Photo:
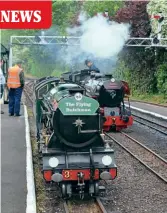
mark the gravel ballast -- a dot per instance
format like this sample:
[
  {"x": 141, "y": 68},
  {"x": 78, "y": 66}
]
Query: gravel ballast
[{"x": 136, "y": 189}]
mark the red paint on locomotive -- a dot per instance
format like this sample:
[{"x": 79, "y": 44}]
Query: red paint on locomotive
[
  {"x": 117, "y": 122},
  {"x": 72, "y": 174},
  {"x": 47, "y": 175}
]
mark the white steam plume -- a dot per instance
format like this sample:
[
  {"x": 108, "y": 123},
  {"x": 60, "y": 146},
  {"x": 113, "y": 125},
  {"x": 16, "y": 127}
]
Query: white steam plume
[{"x": 100, "y": 39}]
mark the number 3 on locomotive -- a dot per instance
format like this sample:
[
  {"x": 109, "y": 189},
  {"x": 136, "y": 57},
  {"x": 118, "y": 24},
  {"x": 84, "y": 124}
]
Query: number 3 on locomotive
[{"x": 66, "y": 174}]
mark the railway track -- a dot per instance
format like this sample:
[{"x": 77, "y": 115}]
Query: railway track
[
  {"x": 151, "y": 124},
  {"x": 95, "y": 206},
  {"x": 28, "y": 91},
  {"x": 28, "y": 95},
  {"x": 152, "y": 161}
]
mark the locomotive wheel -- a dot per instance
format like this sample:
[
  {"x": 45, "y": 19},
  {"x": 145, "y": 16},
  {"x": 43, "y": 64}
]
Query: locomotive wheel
[
  {"x": 64, "y": 190},
  {"x": 96, "y": 188},
  {"x": 39, "y": 147}
]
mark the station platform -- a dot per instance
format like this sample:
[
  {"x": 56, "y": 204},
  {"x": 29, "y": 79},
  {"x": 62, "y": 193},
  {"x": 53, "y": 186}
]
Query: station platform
[
  {"x": 14, "y": 180},
  {"x": 151, "y": 109}
]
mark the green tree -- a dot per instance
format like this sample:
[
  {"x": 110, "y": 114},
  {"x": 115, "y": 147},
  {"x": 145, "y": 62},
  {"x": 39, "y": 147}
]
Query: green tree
[
  {"x": 154, "y": 7},
  {"x": 162, "y": 79},
  {"x": 92, "y": 7}
]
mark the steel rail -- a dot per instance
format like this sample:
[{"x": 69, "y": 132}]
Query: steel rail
[
  {"x": 27, "y": 94},
  {"x": 142, "y": 162},
  {"x": 97, "y": 202},
  {"x": 158, "y": 130},
  {"x": 137, "y": 116},
  {"x": 65, "y": 205},
  {"x": 145, "y": 147}
]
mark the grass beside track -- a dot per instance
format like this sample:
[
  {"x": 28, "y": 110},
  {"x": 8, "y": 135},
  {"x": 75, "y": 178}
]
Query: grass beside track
[
  {"x": 39, "y": 183},
  {"x": 155, "y": 99}
]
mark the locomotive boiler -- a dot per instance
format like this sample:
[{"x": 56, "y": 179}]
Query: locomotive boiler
[
  {"x": 110, "y": 94},
  {"x": 69, "y": 131}
]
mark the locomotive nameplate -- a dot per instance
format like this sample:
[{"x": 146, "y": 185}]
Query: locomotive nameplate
[{"x": 78, "y": 105}]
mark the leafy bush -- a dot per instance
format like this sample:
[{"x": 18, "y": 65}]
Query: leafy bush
[{"x": 162, "y": 79}]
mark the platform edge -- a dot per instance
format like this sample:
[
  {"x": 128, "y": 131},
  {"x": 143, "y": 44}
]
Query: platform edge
[
  {"x": 147, "y": 112},
  {"x": 31, "y": 196}
]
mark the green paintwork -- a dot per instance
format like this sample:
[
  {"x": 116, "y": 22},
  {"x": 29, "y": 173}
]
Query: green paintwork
[
  {"x": 78, "y": 106},
  {"x": 38, "y": 103}
]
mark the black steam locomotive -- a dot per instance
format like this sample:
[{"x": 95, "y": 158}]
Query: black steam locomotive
[
  {"x": 110, "y": 94},
  {"x": 69, "y": 130}
]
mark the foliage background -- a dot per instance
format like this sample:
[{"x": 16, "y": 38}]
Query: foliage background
[{"x": 144, "y": 69}]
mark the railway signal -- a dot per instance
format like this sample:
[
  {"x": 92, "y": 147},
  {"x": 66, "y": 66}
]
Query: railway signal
[{"x": 160, "y": 20}]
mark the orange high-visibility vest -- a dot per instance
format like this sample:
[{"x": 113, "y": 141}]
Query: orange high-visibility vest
[{"x": 13, "y": 77}]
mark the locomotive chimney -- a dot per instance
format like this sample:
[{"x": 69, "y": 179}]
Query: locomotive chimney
[{"x": 72, "y": 91}]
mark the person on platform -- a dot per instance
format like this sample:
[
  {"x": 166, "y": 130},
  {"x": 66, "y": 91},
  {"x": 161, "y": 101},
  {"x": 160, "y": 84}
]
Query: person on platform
[
  {"x": 15, "y": 83},
  {"x": 61, "y": 80},
  {"x": 2, "y": 82},
  {"x": 91, "y": 66}
]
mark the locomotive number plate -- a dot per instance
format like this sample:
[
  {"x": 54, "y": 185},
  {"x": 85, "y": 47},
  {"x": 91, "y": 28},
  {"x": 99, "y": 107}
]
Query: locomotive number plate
[
  {"x": 108, "y": 111},
  {"x": 73, "y": 174}
]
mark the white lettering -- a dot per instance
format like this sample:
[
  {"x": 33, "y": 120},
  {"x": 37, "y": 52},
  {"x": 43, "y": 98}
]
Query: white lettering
[
  {"x": 37, "y": 15},
  {"x": 20, "y": 16},
  {"x": 26, "y": 15},
  {"x": 15, "y": 17},
  {"x": 5, "y": 17},
  {"x": 77, "y": 110}
]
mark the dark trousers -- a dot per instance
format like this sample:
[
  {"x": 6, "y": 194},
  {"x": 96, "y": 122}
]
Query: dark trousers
[
  {"x": 2, "y": 89},
  {"x": 14, "y": 100}
]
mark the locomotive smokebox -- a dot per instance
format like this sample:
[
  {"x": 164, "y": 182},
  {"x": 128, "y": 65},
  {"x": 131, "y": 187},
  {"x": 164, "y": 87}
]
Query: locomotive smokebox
[{"x": 77, "y": 121}]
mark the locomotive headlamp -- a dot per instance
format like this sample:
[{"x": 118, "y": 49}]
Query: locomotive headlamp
[
  {"x": 112, "y": 79},
  {"x": 53, "y": 162},
  {"x": 106, "y": 160}
]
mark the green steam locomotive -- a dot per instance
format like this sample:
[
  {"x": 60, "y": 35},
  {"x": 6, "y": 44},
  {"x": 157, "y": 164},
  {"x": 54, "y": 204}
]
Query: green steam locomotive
[{"x": 70, "y": 138}]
